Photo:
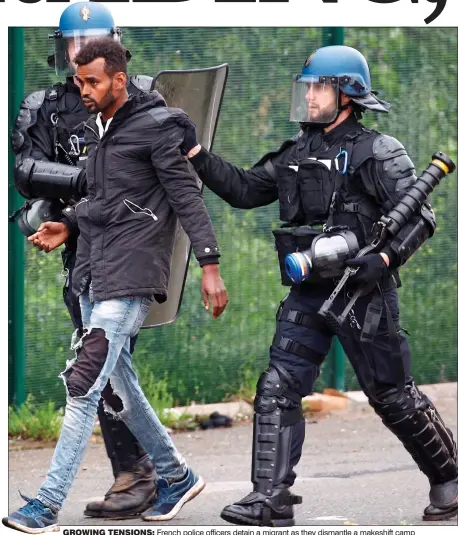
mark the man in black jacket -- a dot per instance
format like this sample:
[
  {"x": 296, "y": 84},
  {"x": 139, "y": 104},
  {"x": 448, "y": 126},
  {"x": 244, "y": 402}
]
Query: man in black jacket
[
  {"x": 138, "y": 183},
  {"x": 49, "y": 130},
  {"x": 337, "y": 177}
]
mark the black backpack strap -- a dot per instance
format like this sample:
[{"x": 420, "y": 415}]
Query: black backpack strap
[
  {"x": 343, "y": 161},
  {"x": 52, "y": 94}
]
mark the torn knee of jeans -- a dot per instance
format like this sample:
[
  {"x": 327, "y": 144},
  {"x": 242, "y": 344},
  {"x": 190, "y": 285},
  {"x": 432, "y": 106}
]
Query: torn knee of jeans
[
  {"x": 112, "y": 402},
  {"x": 82, "y": 374}
]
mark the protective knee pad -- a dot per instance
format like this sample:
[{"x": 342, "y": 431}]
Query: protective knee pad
[
  {"x": 82, "y": 375},
  {"x": 418, "y": 425},
  {"x": 278, "y": 408}
]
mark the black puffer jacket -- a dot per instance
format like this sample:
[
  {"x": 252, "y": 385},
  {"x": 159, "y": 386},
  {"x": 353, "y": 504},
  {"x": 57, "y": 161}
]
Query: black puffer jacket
[{"x": 138, "y": 183}]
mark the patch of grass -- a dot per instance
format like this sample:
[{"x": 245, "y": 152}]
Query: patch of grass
[
  {"x": 249, "y": 377},
  {"x": 155, "y": 390},
  {"x": 35, "y": 421},
  {"x": 43, "y": 421}
]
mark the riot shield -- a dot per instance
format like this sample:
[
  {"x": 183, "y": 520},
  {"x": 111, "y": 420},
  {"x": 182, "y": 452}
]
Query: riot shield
[{"x": 199, "y": 93}]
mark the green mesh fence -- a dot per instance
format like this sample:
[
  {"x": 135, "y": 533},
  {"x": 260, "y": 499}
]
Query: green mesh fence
[{"x": 206, "y": 360}]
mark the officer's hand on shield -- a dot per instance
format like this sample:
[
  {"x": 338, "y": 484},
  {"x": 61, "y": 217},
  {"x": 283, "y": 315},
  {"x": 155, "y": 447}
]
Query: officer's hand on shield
[
  {"x": 213, "y": 290},
  {"x": 50, "y": 235},
  {"x": 189, "y": 146}
]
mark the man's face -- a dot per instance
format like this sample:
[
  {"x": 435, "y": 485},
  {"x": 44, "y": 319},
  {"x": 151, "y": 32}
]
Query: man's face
[
  {"x": 321, "y": 101},
  {"x": 96, "y": 86}
]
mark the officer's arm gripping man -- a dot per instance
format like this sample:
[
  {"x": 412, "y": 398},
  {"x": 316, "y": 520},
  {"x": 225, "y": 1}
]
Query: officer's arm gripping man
[
  {"x": 239, "y": 187},
  {"x": 35, "y": 174},
  {"x": 386, "y": 176}
]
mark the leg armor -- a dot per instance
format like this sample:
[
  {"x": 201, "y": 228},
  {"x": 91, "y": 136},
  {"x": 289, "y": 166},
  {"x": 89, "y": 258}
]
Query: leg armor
[
  {"x": 416, "y": 422},
  {"x": 278, "y": 412},
  {"x": 277, "y": 409}
]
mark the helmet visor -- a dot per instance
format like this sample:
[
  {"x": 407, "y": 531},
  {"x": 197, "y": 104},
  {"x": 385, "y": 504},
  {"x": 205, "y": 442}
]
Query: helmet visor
[
  {"x": 69, "y": 43},
  {"x": 314, "y": 100}
]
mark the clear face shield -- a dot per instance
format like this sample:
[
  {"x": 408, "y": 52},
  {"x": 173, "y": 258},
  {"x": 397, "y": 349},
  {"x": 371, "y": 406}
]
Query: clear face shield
[
  {"x": 67, "y": 45},
  {"x": 314, "y": 99}
]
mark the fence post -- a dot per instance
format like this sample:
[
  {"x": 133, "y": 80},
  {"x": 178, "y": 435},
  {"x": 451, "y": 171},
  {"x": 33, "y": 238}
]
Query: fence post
[
  {"x": 16, "y": 255},
  {"x": 336, "y": 357}
]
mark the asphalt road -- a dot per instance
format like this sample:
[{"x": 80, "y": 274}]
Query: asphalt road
[{"x": 353, "y": 470}]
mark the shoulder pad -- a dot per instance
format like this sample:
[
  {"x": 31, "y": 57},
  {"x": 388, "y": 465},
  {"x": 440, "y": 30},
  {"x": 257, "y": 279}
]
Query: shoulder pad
[
  {"x": 396, "y": 162},
  {"x": 141, "y": 82},
  {"x": 386, "y": 147},
  {"x": 34, "y": 101},
  {"x": 26, "y": 117}
]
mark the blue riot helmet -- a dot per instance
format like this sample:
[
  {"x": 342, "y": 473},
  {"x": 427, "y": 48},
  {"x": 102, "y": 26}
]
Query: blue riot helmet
[
  {"x": 79, "y": 23},
  {"x": 326, "y": 73}
]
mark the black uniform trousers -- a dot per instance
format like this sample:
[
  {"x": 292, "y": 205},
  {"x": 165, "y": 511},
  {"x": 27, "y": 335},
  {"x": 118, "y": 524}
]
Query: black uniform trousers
[{"x": 313, "y": 342}]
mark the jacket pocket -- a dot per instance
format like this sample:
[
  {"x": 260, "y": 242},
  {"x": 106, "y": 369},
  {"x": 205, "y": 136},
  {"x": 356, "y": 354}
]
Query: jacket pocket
[
  {"x": 135, "y": 209},
  {"x": 316, "y": 185},
  {"x": 289, "y": 194}
]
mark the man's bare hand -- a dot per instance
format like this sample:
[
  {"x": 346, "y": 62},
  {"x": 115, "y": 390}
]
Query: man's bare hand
[
  {"x": 50, "y": 235},
  {"x": 213, "y": 290}
]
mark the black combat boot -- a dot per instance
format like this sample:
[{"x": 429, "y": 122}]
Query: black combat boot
[
  {"x": 257, "y": 509},
  {"x": 444, "y": 502},
  {"x": 131, "y": 493}
]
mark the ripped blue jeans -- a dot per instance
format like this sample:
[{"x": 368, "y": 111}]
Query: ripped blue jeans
[{"x": 102, "y": 354}]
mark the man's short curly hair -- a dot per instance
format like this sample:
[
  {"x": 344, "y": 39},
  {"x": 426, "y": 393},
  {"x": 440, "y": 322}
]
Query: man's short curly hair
[{"x": 107, "y": 48}]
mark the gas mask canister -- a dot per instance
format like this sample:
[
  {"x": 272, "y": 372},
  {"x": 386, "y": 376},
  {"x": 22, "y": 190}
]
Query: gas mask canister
[{"x": 325, "y": 258}]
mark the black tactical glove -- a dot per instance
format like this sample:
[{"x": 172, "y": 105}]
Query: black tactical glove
[
  {"x": 372, "y": 268},
  {"x": 190, "y": 138}
]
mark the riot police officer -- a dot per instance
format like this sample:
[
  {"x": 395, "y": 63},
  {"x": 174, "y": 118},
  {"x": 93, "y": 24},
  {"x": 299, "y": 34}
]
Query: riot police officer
[
  {"x": 339, "y": 177},
  {"x": 48, "y": 141}
]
